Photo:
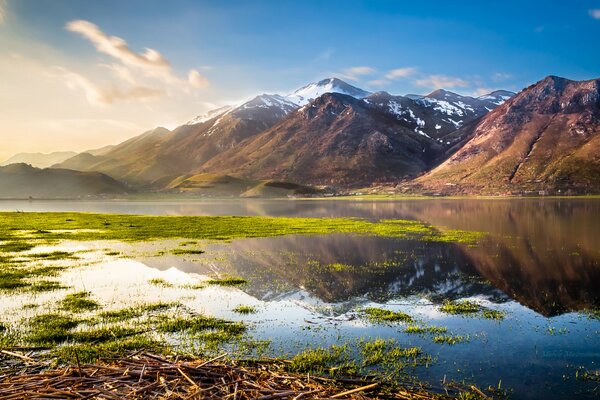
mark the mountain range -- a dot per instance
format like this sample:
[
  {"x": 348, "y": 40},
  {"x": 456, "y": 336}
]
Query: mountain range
[{"x": 332, "y": 134}]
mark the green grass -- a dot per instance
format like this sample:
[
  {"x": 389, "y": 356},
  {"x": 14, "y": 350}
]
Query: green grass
[
  {"x": 418, "y": 329},
  {"x": 493, "y": 314},
  {"x": 241, "y": 309},
  {"x": 79, "y": 302},
  {"x": 387, "y": 352},
  {"x": 230, "y": 281},
  {"x": 50, "y": 329},
  {"x": 460, "y": 307},
  {"x": 92, "y": 352},
  {"x": 55, "y": 255},
  {"x": 179, "y": 252},
  {"x": 450, "y": 339},
  {"x": 160, "y": 282},
  {"x": 379, "y": 315},
  {"x": 126, "y": 314},
  {"x": 200, "y": 324},
  {"x": 323, "y": 361},
  {"x": 19, "y": 228}
]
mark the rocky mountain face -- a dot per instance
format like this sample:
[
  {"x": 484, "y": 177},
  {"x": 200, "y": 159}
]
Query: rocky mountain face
[
  {"x": 544, "y": 139},
  {"x": 18, "y": 181},
  {"x": 310, "y": 136},
  {"x": 334, "y": 140}
]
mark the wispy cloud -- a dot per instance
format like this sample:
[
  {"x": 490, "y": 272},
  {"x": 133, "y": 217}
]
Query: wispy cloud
[
  {"x": 3, "y": 7},
  {"x": 501, "y": 76},
  {"x": 104, "y": 95},
  {"x": 595, "y": 13},
  {"x": 378, "y": 82},
  {"x": 441, "y": 81},
  {"x": 143, "y": 72},
  {"x": 355, "y": 72},
  {"x": 116, "y": 47},
  {"x": 400, "y": 73}
]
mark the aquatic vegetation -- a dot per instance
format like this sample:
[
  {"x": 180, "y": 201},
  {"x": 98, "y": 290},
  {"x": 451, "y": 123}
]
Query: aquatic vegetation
[
  {"x": 242, "y": 309},
  {"x": 229, "y": 281},
  {"x": 493, "y": 314},
  {"x": 460, "y": 307},
  {"x": 126, "y": 314},
  {"x": 160, "y": 282},
  {"x": 381, "y": 351},
  {"x": 87, "y": 226},
  {"x": 331, "y": 360},
  {"x": 200, "y": 324},
  {"x": 55, "y": 255},
  {"x": 92, "y": 352},
  {"x": 51, "y": 329},
  {"x": 379, "y": 315},
  {"x": 79, "y": 302},
  {"x": 418, "y": 329},
  {"x": 186, "y": 251},
  {"x": 450, "y": 339}
]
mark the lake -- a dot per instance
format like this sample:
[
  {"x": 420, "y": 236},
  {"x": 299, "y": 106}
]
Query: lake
[{"x": 538, "y": 265}]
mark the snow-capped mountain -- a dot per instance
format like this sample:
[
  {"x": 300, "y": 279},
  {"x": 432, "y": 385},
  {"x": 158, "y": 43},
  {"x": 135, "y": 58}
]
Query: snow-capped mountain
[
  {"x": 209, "y": 115},
  {"x": 313, "y": 90},
  {"x": 397, "y": 136},
  {"x": 497, "y": 97}
]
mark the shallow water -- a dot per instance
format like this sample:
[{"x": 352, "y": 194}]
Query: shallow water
[{"x": 540, "y": 263}]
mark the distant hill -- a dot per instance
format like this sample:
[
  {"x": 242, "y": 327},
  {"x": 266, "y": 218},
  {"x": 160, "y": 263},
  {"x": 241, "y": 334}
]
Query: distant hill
[
  {"x": 547, "y": 138},
  {"x": 24, "y": 181},
  {"x": 40, "y": 160}
]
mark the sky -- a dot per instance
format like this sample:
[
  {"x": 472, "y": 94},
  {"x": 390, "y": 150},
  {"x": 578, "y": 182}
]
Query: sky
[{"x": 82, "y": 74}]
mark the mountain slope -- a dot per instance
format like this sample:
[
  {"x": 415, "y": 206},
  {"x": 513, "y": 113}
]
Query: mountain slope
[
  {"x": 39, "y": 160},
  {"x": 23, "y": 181},
  {"x": 336, "y": 139},
  {"x": 545, "y": 138}
]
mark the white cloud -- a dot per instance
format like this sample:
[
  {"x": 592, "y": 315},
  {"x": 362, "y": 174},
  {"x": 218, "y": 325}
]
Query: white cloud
[
  {"x": 104, "y": 95},
  {"x": 501, "y": 76},
  {"x": 143, "y": 72},
  {"x": 116, "y": 47},
  {"x": 400, "y": 73},
  {"x": 480, "y": 91},
  {"x": 354, "y": 72},
  {"x": 595, "y": 13},
  {"x": 197, "y": 80},
  {"x": 441, "y": 82}
]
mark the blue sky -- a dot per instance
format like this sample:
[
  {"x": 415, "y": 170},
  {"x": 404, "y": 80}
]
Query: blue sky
[{"x": 241, "y": 48}]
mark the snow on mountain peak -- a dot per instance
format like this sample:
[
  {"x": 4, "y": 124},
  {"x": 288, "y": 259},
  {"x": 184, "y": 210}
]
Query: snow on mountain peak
[
  {"x": 209, "y": 115},
  {"x": 313, "y": 90}
]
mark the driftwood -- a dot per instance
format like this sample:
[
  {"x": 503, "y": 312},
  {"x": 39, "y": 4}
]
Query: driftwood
[{"x": 148, "y": 376}]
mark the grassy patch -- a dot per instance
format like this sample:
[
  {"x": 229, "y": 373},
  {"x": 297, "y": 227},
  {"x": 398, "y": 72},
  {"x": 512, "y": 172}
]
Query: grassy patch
[
  {"x": 493, "y": 314},
  {"x": 160, "y": 282},
  {"x": 201, "y": 324},
  {"x": 450, "y": 339},
  {"x": 51, "y": 329},
  {"x": 186, "y": 251},
  {"x": 129, "y": 313},
  {"x": 79, "y": 302},
  {"x": 321, "y": 361},
  {"x": 381, "y": 351},
  {"x": 230, "y": 281},
  {"x": 418, "y": 329},
  {"x": 84, "y": 226},
  {"x": 379, "y": 315},
  {"x": 91, "y": 352},
  {"x": 241, "y": 309},
  {"x": 54, "y": 255},
  {"x": 460, "y": 307}
]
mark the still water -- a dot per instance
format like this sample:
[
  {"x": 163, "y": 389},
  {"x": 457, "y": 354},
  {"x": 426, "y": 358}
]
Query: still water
[{"x": 540, "y": 263}]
